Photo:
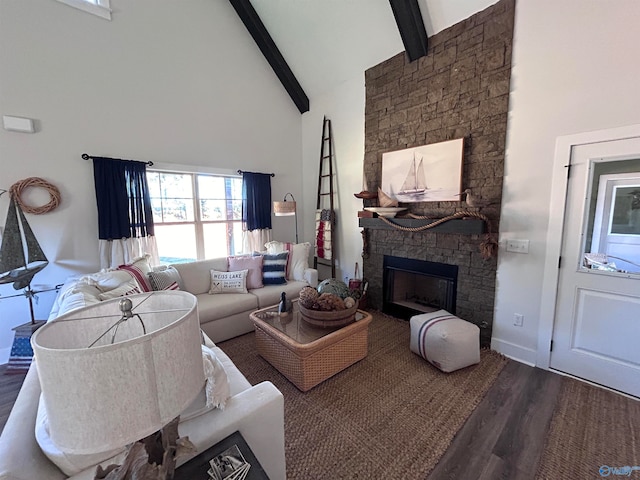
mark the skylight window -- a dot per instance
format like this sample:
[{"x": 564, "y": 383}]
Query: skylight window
[{"x": 97, "y": 7}]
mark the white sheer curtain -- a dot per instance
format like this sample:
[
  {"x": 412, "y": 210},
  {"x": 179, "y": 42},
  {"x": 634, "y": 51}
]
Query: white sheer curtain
[
  {"x": 254, "y": 240},
  {"x": 114, "y": 253}
]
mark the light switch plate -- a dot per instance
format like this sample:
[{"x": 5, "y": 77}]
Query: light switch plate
[{"x": 518, "y": 246}]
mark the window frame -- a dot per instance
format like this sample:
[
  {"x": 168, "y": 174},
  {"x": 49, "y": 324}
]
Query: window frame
[
  {"x": 100, "y": 8},
  {"x": 198, "y": 223}
]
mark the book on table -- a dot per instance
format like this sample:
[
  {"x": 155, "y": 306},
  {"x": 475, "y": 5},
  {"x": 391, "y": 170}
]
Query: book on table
[{"x": 229, "y": 459}]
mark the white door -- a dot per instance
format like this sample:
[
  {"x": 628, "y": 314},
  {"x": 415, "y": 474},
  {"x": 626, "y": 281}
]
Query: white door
[{"x": 596, "y": 333}]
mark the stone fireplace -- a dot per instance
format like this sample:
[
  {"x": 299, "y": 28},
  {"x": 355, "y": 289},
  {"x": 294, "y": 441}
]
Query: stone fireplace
[{"x": 460, "y": 89}]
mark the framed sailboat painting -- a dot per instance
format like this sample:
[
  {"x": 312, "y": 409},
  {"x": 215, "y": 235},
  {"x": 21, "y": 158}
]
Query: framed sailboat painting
[{"x": 429, "y": 173}]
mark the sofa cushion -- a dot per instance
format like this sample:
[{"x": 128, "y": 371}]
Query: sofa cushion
[
  {"x": 228, "y": 282},
  {"x": 78, "y": 296},
  {"x": 274, "y": 268},
  {"x": 212, "y": 307},
  {"x": 106, "y": 280},
  {"x": 128, "y": 288},
  {"x": 165, "y": 278},
  {"x": 270, "y": 294},
  {"x": 251, "y": 263},
  {"x": 70, "y": 464},
  {"x": 298, "y": 260},
  {"x": 196, "y": 276}
]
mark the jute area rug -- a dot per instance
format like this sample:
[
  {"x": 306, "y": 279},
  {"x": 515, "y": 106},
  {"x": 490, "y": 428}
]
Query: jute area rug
[
  {"x": 391, "y": 415},
  {"x": 592, "y": 432}
]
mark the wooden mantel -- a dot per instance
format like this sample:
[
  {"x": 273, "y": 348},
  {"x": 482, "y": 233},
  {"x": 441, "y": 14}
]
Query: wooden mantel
[{"x": 463, "y": 226}]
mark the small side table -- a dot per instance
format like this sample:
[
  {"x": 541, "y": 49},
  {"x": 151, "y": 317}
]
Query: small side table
[
  {"x": 21, "y": 352},
  {"x": 197, "y": 467}
]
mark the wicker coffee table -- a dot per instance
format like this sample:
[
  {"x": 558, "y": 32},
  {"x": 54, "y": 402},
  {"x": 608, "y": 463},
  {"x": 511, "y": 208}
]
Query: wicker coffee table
[{"x": 305, "y": 354}]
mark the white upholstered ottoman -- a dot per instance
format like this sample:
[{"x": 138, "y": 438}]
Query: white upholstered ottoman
[{"x": 446, "y": 341}]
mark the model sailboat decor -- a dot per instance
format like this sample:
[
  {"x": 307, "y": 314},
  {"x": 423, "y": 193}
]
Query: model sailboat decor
[
  {"x": 20, "y": 254},
  {"x": 429, "y": 173}
]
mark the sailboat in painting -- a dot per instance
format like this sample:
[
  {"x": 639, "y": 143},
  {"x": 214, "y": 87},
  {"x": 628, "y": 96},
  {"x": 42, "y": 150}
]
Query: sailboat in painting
[
  {"x": 18, "y": 239},
  {"x": 415, "y": 182}
]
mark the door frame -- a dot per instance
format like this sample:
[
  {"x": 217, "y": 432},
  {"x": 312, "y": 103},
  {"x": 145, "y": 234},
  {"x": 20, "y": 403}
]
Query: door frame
[{"x": 555, "y": 229}]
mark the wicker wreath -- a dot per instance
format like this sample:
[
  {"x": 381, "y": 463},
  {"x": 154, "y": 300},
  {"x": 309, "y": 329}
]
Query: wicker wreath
[{"x": 17, "y": 188}]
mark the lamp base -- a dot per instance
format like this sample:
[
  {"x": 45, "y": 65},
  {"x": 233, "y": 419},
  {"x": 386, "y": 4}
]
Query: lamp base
[{"x": 152, "y": 458}]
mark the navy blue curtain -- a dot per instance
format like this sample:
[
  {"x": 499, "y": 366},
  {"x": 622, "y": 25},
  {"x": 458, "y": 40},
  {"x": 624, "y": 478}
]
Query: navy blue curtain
[
  {"x": 122, "y": 194},
  {"x": 256, "y": 200}
]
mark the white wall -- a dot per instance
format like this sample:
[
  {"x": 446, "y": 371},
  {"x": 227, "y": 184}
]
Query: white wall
[
  {"x": 573, "y": 71},
  {"x": 168, "y": 81},
  {"x": 344, "y": 106}
]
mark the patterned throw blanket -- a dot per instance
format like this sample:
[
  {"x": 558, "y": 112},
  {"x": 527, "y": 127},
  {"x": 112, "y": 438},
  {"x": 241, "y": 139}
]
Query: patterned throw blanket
[{"x": 324, "y": 223}]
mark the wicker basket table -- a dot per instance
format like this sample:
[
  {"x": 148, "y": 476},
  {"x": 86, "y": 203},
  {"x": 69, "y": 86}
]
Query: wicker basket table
[{"x": 308, "y": 355}]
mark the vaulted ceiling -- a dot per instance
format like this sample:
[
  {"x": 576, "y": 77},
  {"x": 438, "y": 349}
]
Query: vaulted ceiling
[{"x": 326, "y": 42}]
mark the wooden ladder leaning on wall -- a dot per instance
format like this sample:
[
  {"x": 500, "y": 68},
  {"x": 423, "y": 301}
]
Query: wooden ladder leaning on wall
[{"x": 325, "y": 217}]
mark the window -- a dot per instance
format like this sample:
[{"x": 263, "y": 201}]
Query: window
[
  {"x": 612, "y": 235},
  {"x": 97, "y": 7},
  {"x": 196, "y": 215}
]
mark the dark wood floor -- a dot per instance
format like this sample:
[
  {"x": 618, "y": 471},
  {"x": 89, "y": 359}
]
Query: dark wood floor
[
  {"x": 9, "y": 388},
  {"x": 503, "y": 438}
]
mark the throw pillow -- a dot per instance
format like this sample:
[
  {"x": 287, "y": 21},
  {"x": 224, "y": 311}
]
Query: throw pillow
[
  {"x": 228, "y": 282},
  {"x": 139, "y": 269},
  {"x": 166, "y": 279},
  {"x": 274, "y": 268},
  {"x": 250, "y": 263},
  {"x": 127, "y": 288},
  {"x": 298, "y": 260}
]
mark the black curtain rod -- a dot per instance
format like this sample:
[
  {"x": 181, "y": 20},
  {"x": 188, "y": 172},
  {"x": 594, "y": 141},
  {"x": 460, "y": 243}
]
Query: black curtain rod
[
  {"x": 240, "y": 172},
  {"x": 89, "y": 157}
]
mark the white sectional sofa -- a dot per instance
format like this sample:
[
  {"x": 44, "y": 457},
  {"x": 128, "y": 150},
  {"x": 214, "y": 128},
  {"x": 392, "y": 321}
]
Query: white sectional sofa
[
  {"x": 222, "y": 316},
  {"x": 256, "y": 411}
]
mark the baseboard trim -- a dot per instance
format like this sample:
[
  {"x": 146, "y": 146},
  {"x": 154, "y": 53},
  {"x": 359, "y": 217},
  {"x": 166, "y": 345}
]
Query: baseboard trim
[{"x": 515, "y": 352}]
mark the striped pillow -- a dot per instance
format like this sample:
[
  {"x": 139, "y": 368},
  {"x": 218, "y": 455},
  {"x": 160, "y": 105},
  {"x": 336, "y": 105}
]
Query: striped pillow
[
  {"x": 139, "y": 270},
  {"x": 167, "y": 279},
  {"x": 274, "y": 269}
]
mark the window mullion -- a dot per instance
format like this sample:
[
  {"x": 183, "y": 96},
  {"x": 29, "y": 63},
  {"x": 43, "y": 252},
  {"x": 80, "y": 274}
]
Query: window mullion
[{"x": 198, "y": 219}]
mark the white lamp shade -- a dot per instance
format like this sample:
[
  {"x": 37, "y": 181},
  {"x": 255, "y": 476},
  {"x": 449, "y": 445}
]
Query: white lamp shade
[
  {"x": 109, "y": 395},
  {"x": 284, "y": 209}
]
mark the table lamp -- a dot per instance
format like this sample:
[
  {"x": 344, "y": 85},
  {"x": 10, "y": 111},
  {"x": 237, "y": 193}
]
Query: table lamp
[{"x": 120, "y": 370}]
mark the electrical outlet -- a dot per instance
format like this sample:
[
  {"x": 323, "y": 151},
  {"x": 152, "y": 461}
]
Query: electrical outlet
[
  {"x": 518, "y": 319},
  {"x": 518, "y": 246}
]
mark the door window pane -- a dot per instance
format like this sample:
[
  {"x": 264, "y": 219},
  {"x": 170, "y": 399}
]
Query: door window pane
[{"x": 626, "y": 210}]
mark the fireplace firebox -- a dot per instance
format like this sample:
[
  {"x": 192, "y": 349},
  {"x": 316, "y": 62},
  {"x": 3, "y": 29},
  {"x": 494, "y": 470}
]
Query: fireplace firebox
[{"x": 412, "y": 287}]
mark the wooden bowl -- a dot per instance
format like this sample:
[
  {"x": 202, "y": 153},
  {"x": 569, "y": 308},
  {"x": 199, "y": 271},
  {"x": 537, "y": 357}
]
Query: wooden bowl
[{"x": 328, "y": 319}]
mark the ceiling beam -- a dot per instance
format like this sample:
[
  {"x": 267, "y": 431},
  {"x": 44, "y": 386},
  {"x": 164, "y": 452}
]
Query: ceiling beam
[
  {"x": 411, "y": 26},
  {"x": 267, "y": 46}
]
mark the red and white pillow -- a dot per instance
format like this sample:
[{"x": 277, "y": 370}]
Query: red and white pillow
[{"x": 139, "y": 269}]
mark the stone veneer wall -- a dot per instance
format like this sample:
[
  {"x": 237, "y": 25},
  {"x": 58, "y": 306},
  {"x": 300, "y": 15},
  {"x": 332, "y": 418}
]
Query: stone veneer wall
[{"x": 460, "y": 89}]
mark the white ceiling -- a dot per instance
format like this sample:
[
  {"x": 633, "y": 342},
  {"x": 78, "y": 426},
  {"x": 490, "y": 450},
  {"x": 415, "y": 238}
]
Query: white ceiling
[{"x": 326, "y": 42}]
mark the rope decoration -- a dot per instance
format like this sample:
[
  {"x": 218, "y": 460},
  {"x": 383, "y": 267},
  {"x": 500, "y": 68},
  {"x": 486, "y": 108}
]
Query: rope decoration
[
  {"x": 17, "y": 188},
  {"x": 488, "y": 247}
]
